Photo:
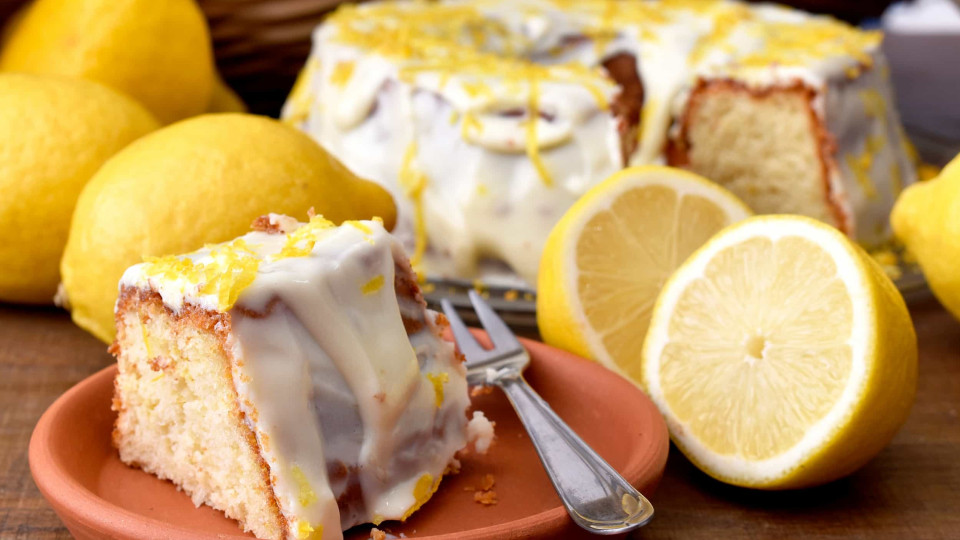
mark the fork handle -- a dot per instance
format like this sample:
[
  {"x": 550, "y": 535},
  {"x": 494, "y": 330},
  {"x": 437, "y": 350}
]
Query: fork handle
[{"x": 597, "y": 497}]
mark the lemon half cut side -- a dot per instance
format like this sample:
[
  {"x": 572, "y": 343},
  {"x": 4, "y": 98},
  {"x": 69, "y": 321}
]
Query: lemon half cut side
[
  {"x": 606, "y": 260},
  {"x": 780, "y": 355}
]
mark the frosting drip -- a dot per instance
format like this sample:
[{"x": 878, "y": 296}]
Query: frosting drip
[
  {"x": 356, "y": 401},
  {"x": 502, "y": 111}
]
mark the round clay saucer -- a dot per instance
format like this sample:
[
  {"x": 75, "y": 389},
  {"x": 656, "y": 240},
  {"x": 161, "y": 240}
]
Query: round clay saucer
[{"x": 97, "y": 496}]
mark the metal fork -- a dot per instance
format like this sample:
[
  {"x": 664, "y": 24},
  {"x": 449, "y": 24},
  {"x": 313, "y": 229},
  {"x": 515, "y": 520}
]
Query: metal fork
[{"x": 595, "y": 495}]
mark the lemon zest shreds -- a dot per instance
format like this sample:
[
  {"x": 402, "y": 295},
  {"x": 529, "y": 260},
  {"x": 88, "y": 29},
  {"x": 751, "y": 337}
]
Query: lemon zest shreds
[
  {"x": 413, "y": 182},
  {"x": 789, "y": 44},
  {"x": 305, "y": 531},
  {"x": 364, "y": 228},
  {"x": 373, "y": 285},
  {"x": 861, "y": 163},
  {"x": 533, "y": 149},
  {"x": 307, "y": 496},
  {"x": 342, "y": 73},
  {"x": 232, "y": 268},
  {"x": 425, "y": 487},
  {"x": 438, "y": 380},
  {"x": 301, "y": 241},
  {"x": 430, "y": 37}
]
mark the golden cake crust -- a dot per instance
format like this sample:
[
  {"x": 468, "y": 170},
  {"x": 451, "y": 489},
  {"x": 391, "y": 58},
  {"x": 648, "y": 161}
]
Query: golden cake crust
[{"x": 132, "y": 299}]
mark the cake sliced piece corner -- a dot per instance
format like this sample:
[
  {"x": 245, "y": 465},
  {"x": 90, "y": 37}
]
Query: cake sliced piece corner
[{"x": 292, "y": 378}]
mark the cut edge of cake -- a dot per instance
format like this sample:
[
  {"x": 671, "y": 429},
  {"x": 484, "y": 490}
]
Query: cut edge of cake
[{"x": 182, "y": 417}]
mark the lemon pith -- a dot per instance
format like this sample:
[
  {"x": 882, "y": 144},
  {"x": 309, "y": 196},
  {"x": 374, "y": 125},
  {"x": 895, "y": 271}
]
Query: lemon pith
[{"x": 780, "y": 355}]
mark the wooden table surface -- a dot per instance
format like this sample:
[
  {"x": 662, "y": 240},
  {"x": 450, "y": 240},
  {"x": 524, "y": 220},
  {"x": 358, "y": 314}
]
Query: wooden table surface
[{"x": 910, "y": 491}]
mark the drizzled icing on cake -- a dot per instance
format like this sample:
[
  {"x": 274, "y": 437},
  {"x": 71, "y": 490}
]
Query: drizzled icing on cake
[
  {"x": 342, "y": 375},
  {"x": 500, "y": 109}
]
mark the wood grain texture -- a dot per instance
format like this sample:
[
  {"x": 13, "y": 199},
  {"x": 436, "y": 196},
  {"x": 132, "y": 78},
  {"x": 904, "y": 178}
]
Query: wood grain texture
[{"x": 911, "y": 490}]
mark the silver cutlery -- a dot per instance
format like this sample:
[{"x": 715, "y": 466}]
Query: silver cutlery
[{"x": 594, "y": 494}]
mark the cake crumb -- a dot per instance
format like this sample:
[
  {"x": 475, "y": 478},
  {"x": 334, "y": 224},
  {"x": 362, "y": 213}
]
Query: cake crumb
[
  {"x": 453, "y": 467},
  {"x": 275, "y": 224},
  {"x": 477, "y": 391},
  {"x": 486, "y": 484},
  {"x": 486, "y": 498},
  {"x": 377, "y": 534},
  {"x": 480, "y": 432}
]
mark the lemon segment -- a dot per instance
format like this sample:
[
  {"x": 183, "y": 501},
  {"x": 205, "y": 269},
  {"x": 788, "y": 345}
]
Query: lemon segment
[
  {"x": 606, "y": 260},
  {"x": 780, "y": 355}
]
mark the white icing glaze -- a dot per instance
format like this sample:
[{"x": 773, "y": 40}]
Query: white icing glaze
[
  {"x": 435, "y": 105},
  {"x": 339, "y": 395}
]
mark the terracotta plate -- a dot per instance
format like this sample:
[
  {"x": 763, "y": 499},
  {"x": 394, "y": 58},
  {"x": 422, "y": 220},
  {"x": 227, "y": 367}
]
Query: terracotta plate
[{"x": 97, "y": 496}]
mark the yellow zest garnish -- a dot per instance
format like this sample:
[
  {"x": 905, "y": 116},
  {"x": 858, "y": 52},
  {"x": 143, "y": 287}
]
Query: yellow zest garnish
[
  {"x": 301, "y": 241},
  {"x": 476, "y": 88},
  {"x": 422, "y": 491},
  {"x": 232, "y": 268},
  {"x": 300, "y": 96},
  {"x": 307, "y": 495},
  {"x": 860, "y": 165},
  {"x": 790, "y": 44},
  {"x": 413, "y": 182},
  {"x": 342, "y": 73},
  {"x": 725, "y": 21},
  {"x": 470, "y": 123},
  {"x": 364, "y": 228},
  {"x": 305, "y": 531},
  {"x": 481, "y": 189},
  {"x": 533, "y": 149},
  {"x": 373, "y": 285},
  {"x": 438, "y": 380}
]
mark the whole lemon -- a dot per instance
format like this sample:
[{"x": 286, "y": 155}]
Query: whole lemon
[
  {"x": 56, "y": 133},
  {"x": 199, "y": 181},
  {"x": 926, "y": 218},
  {"x": 159, "y": 52}
]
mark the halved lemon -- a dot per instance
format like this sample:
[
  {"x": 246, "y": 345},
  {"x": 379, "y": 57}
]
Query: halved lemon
[
  {"x": 606, "y": 260},
  {"x": 781, "y": 355}
]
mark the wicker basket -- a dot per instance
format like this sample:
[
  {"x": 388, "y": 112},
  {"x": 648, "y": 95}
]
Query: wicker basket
[{"x": 261, "y": 45}]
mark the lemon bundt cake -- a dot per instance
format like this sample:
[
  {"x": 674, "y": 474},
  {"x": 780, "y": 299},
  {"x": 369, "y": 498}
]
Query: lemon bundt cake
[
  {"x": 489, "y": 118},
  {"x": 292, "y": 378}
]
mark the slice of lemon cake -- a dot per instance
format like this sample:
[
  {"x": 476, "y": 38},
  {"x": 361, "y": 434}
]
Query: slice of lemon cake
[{"x": 292, "y": 378}]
